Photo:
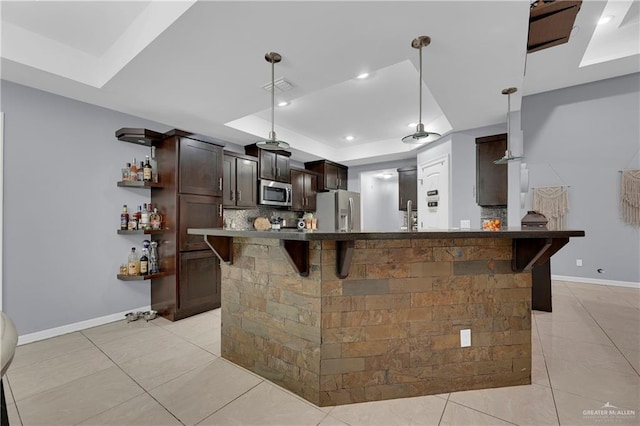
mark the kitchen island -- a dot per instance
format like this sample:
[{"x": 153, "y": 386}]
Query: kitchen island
[{"x": 339, "y": 318}]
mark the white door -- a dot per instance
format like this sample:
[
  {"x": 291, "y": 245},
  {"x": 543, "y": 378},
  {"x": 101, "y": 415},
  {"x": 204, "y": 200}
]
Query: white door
[{"x": 433, "y": 194}]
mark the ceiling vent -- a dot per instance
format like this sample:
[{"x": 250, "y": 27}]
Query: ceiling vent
[
  {"x": 281, "y": 85},
  {"x": 550, "y": 23}
]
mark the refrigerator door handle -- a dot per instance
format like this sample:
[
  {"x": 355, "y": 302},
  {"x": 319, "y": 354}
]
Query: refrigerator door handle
[{"x": 350, "y": 218}]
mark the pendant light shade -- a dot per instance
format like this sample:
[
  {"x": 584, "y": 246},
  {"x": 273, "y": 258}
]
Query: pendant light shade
[
  {"x": 420, "y": 136},
  {"x": 272, "y": 143},
  {"x": 508, "y": 157}
]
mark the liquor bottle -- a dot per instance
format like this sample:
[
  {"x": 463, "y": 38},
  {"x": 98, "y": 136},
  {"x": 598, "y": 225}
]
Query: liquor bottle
[
  {"x": 154, "y": 265},
  {"x": 144, "y": 218},
  {"x": 144, "y": 259},
  {"x": 154, "y": 165},
  {"x": 126, "y": 172},
  {"x": 141, "y": 171},
  {"x": 155, "y": 219},
  {"x": 133, "y": 175},
  {"x": 147, "y": 170},
  {"x": 133, "y": 266},
  {"x": 138, "y": 215},
  {"x": 124, "y": 218}
]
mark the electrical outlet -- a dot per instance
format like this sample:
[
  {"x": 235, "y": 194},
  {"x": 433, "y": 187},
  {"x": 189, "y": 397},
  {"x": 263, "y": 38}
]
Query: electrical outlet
[
  {"x": 465, "y": 338},
  {"x": 578, "y": 262},
  {"x": 465, "y": 224}
]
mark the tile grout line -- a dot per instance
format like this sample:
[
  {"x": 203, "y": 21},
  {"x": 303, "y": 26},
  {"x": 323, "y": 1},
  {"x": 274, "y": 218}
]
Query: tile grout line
[
  {"x": 446, "y": 402},
  {"x": 606, "y": 334},
  {"x": 134, "y": 380},
  {"x": 14, "y": 399},
  {"x": 234, "y": 399},
  {"x": 546, "y": 368},
  {"x": 481, "y": 412}
]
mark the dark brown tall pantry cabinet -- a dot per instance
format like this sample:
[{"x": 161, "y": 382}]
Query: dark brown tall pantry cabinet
[{"x": 190, "y": 169}]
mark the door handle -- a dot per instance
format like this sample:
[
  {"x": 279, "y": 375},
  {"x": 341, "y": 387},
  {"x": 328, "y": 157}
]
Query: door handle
[
  {"x": 220, "y": 210},
  {"x": 239, "y": 195},
  {"x": 220, "y": 184},
  {"x": 233, "y": 195}
]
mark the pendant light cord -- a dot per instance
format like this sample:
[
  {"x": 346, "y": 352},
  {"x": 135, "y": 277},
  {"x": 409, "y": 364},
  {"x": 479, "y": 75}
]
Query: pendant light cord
[
  {"x": 420, "y": 84},
  {"x": 509, "y": 123},
  {"x": 273, "y": 99}
]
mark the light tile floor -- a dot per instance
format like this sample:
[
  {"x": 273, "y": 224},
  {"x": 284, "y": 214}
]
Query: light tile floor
[{"x": 585, "y": 354}]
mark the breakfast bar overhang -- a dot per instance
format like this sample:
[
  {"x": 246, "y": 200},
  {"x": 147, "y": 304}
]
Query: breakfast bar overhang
[{"x": 339, "y": 318}]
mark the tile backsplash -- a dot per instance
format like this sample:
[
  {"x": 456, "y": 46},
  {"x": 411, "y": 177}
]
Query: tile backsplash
[
  {"x": 243, "y": 219},
  {"x": 494, "y": 213}
]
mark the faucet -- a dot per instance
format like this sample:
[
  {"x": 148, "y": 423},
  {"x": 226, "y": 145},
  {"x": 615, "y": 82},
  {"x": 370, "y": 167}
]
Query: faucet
[{"x": 409, "y": 221}]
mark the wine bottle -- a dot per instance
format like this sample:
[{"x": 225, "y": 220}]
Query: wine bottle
[
  {"x": 147, "y": 170},
  {"x": 154, "y": 165},
  {"x": 144, "y": 259}
]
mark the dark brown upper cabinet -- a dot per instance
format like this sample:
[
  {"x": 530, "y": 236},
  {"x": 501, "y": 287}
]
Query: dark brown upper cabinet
[
  {"x": 272, "y": 165},
  {"x": 200, "y": 167},
  {"x": 332, "y": 175},
  {"x": 408, "y": 187},
  {"x": 304, "y": 186},
  {"x": 491, "y": 179},
  {"x": 240, "y": 180}
]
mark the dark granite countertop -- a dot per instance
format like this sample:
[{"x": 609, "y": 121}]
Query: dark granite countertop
[{"x": 287, "y": 234}]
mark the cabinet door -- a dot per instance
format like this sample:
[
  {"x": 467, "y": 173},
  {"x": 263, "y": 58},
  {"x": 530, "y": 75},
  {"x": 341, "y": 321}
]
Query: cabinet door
[
  {"x": 229, "y": 181},
  {"x": 330, "y": 176},
  {"x": 408, "y": 189},
  {"x": 197, "y": 211},
  {"x": 342, "y": 178},
  {"x": 491, "y": 179},
  {"x": 246, "y": 183},
  {"x": 310, "y": 191},
  {"x": 267, "y": 165},
  {"x": 199, "y": 281},
  {"x": 200, "y": 168},
  {"x": 282, "y": 168},
  {"x": 297, "y": 190}
]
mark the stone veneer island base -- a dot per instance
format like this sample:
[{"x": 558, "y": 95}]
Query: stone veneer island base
[{"x": 391, "y": 328}]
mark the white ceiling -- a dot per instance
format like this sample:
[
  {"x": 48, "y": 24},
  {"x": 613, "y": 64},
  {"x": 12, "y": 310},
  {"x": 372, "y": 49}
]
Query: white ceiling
[{"x": 199, "y": 66}]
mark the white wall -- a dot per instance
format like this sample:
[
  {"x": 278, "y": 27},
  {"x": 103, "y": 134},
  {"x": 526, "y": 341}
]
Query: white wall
[
  {"x": 581, "y": 137},
  {"x": 379, "y": 199},
  {"x": 62, "y": 210},
  {"x": 379, "y": 202}
]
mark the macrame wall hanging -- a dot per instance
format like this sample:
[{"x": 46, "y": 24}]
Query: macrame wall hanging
[
  {"x": 630, "y": 197},
  {"x": 553, "y": 202}
]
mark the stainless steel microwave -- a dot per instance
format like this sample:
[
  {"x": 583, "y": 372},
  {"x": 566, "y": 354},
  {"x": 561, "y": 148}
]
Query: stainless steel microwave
[{"x": 275, "y": 193}]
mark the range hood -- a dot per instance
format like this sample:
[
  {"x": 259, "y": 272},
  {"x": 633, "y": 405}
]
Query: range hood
[
  {"x": 139, "y": 136},
  {"x": 550, "y": 23}
]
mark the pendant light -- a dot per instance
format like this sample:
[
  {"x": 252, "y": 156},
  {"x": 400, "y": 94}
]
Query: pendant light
[
  {"x": 272, "y": 144},
  {"x": 420, "y": 136},
  {"x": 508, "y": 157}
]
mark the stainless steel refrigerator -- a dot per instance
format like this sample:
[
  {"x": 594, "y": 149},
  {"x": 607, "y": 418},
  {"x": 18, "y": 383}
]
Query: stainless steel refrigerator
[{"x": 338, "y": 211}]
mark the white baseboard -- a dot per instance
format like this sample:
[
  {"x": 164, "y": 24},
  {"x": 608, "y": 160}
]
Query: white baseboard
[
  {"x": 70, "y": 328},
  {"x": 596, "y": 281}
]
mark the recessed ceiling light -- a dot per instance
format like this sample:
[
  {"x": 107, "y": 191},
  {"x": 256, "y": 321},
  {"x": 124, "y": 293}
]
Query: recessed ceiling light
[
  {"x": 412, "y": 124},
  {"x": 283, "y": 103},
  {"x": 605, "y": 19},
  {"x": 349, "y": 138},
  {"x": 363, "y": 76}
]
